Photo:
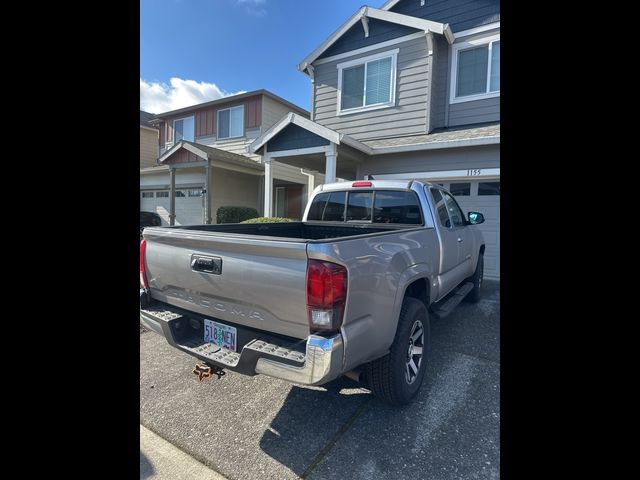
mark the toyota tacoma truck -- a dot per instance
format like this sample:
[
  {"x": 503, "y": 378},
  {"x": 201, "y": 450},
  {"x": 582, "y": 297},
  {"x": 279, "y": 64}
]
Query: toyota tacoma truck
[{"x": 349, "y": 290}]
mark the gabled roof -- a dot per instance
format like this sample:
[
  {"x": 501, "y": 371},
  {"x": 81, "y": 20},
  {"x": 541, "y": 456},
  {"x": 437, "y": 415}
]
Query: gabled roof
[
  {"x": 313, "y": 127},
  {"x": 370, "y": 12},
  {"x": 232, "y": 98},
  {"x": 210, "y": 153}
]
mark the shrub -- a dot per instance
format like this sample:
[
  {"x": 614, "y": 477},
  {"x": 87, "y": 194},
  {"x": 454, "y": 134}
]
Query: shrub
[
  {"x": 235, "y": 214},
  {"x": 268, "y": 220}
]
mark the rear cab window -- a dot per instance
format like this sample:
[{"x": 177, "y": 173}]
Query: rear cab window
[{"x": 368, "y": 206}]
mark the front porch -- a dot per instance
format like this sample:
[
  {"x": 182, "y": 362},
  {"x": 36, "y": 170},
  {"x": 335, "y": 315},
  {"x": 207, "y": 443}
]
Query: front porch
[{"x": 315, "y": 149}]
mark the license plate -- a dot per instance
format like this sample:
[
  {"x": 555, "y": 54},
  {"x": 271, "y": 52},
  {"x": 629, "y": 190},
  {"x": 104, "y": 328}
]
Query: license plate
[{"x": 221, "y": 335}]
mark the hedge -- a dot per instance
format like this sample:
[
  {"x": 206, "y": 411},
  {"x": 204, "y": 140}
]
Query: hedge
[
  {"x": 268, "y": 220},
  {"x": 235, "y": 214}
]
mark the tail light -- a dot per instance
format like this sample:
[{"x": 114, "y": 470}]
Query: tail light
[
  {"x": 362, "y": 184},
  {"x": 143, "y": 270},
  {"x": 326, "y": 295}
]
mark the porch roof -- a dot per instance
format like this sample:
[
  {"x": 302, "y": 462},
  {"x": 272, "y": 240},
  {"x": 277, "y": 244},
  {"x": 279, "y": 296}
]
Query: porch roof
[
  {"x": 314, "y": 128},
  {"x": 185, "y": 154}
]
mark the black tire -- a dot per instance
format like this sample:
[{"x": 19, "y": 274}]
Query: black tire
[
  {"x": 474, "y": 295},
  {"x": 387, "y": 377}
]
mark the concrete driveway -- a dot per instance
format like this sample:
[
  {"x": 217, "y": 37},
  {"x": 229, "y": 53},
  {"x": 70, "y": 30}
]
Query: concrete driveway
[{"x": 260, "y": 427}]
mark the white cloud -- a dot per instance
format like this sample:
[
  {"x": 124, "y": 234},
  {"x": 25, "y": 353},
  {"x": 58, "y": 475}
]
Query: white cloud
[
  {"x": 156, "y": 97},
  {"x": 254, "y": 7}
]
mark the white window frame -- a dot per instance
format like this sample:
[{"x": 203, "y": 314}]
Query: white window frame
[
  {"x": 360, "y": 61},
  {"x": 218, "y": 122},
  {"x": 184, "y": 118},
  {"x": 456, "y": 48}
]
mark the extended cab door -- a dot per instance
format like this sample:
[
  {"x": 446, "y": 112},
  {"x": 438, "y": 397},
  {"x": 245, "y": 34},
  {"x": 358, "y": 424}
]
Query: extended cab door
[
  {"x": 464, "y": 236},
  {"x": 453, "y": 234}
]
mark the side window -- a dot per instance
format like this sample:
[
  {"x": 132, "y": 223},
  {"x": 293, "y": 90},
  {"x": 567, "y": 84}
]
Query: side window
[
  {"x": 397, "y": 207},
  {"x": 359, "y": 206},
  {"x": 457, "y": 217},
  {"x": 441, "y": 208}
]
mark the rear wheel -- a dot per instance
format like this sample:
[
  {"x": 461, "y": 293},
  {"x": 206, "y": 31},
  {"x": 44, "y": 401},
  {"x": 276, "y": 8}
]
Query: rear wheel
[{"x": 396, "y": 378}]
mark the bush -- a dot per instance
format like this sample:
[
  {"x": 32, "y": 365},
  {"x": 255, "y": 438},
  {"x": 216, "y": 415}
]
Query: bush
[
  {"x": 268, "y": 220},
  {"x": 235, "y": 214}
]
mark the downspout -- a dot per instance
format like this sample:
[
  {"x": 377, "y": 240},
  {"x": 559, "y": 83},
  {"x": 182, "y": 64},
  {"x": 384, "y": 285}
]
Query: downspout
[
  {"x": 431, "y": 75},
  {"x": 312, "y": 75}
]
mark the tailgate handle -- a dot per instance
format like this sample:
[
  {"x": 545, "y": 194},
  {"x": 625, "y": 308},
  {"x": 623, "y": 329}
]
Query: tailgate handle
[{"x": 202, "y": 264}]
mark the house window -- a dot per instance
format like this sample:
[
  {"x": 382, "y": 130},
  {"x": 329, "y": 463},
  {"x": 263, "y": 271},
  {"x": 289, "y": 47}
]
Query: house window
[
  {"x": 476, "y": 70},
  {"x": 367, "y": 83},
  {"x": 147, "y": 194},
  {"x": 231, "y": 122},
  {"x": 184, "y": 129}
]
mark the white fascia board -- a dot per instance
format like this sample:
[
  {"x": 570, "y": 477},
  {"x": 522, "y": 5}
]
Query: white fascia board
[
  {"x": 472, "y": 31},
  {"x": 332, "y": 38},
  {"x": 466, "y": 142},
  {"x": 319, "y": 130},
  {"x": 170, "y": 152}
]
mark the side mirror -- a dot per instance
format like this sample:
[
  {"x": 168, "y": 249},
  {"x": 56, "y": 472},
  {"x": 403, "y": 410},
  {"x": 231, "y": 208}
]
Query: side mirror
[{"x": 476, "y": 218}]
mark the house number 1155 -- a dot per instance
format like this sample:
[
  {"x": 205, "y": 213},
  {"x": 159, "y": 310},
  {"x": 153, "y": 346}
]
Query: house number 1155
[{"x": 474, "y": 172}]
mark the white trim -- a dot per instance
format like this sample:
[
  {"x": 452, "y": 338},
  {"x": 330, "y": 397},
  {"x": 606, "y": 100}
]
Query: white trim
[
  {"x": 370, "y": 48},
  {"x": 184, "y": 118},
  {"x": 389, "y": 4},
  {"x": 407, "y": 20},
  {"x": 356, "y": 144},
  {"x": 218, "y": 137},
  {"x": 393, "y": 54},
  {"x": 465, "y": 142},
  {"x": 455, "y": 50},
  {"x": 444, "y": 175},
  {"x": 472, "y": 31},
  {"x": 299, "y": 151}
]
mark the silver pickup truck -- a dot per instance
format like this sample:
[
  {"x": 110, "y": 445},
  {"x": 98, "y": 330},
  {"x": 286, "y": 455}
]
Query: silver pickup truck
[{"x": 349, "y": 290}]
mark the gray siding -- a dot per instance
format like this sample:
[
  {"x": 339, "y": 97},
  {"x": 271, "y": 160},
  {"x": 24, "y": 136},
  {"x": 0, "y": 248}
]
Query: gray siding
[
  {"x": 295, "y": 137},
  {"x": 459, "y": 14},
  {"x": 273, "y": 111},
  {"x": 433, "y": 160},
  {"x": 379, "y": 32},
  {"x": 477, "y": 111},
  {"x": 408, "y": 117}
]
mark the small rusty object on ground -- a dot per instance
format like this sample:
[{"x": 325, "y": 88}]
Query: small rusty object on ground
[{"x": 202, "y": 371}]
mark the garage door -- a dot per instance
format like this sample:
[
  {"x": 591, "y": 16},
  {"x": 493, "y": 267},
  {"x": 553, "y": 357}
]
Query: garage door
[
  {"x": 189, "y": 205},
  {"x": 484, "y": 197}
]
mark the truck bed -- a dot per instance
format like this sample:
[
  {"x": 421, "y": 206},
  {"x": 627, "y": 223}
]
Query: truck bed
[{"x": 297, "y": 231}]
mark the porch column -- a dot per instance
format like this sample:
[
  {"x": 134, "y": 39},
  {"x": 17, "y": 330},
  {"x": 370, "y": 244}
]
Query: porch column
[
  {"x": 330, "y": 165},
  {"x": 207, "y": 194},
  {"x": 172, "y": 196},
  {"x": 268, "y": 186}
]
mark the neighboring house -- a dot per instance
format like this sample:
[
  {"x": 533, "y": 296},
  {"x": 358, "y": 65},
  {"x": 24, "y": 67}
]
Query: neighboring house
[
  {"x": 203, "y": 158},
  {"x": 148, "y": 140},
  {"x": 409, "y": 90}
]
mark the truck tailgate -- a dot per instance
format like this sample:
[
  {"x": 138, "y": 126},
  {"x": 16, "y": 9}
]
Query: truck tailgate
[{"x": 261, "y": 284}]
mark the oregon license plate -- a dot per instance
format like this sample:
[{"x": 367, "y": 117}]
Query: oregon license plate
[{"x": 221, "y": 335}]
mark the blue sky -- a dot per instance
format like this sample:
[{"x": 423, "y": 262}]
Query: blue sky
[{"x": 192, "y": 51}]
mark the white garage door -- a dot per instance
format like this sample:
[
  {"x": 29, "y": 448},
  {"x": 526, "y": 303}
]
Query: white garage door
[
  {"x": 483, "y": 197},
  {"x": 189, "y": 205}
]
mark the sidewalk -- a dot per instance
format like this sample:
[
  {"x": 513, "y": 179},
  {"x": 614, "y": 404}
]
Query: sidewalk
[{"x": 160, "y": 460}]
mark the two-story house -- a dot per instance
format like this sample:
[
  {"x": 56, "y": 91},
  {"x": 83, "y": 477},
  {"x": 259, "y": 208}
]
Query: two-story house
[
  {"x": 203, "y": 164},
  {"x": 148, "y": 140},
  {"x": 410, "y": 90}
]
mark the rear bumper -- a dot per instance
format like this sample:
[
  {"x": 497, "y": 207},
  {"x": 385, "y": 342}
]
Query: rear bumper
[{"x": 315, "y": 361}]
